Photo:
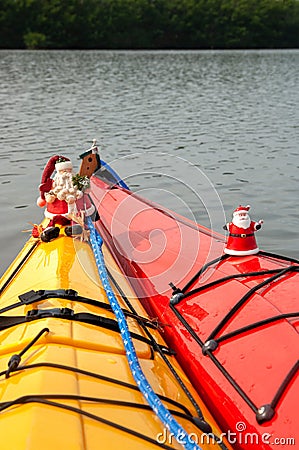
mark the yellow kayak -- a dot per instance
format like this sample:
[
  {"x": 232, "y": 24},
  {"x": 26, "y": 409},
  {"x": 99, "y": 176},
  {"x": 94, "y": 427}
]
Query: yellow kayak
[{"x": 64, "y": 376}]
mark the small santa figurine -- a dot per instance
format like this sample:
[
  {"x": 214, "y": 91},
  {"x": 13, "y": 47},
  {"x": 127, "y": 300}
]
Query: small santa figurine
[
  {"x": 241, "y": 240},
  {"x": 64, "y": 196}
]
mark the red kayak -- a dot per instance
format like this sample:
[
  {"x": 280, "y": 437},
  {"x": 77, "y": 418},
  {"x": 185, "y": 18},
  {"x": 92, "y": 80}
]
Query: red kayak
[{"x": 233, "y": 321}]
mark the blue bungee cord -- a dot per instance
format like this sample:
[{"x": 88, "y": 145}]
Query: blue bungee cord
[{"x": 145, "y": 388}]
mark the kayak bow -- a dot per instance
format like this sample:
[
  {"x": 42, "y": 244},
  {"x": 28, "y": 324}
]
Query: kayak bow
[{"x": 234, "y": 319}]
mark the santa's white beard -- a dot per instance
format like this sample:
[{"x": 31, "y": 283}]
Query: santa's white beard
[
  {"x": 64, "y": 180},
  {"x": 242, "y": 222}
]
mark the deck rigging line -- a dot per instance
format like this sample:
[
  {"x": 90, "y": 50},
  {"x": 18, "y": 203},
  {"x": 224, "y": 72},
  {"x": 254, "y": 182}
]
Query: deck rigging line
[
  {"x": 96, "y": 376},
  {"x": 89, "y": 399},
  {"x": 264, "y": 412},
  {"x": 157, "y": 406},
  {"x": 246, "y": 297},
  {"x": 68, "y": 314},
  {"x": 44, "y": 399},
  {"x": 15, "y": 359},
  {"x": 70, "y": 294}
]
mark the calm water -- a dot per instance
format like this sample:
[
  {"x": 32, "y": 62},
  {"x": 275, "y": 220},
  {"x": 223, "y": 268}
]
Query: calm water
[{"x": 199, "y": 132}]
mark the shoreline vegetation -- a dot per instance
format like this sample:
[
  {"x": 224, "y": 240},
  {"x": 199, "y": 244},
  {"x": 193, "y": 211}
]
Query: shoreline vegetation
[{"x": 149, "y": 24}]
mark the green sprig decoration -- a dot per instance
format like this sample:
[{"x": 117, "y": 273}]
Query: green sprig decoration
[{"x": 81, "y": 182}]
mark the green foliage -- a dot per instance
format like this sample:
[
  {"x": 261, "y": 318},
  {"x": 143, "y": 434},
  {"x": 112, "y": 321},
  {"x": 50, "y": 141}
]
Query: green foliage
[
  {"x": 34, "y": 40},
  {"x": 81, "y": 182},
  {"x": 140, "y": 24}
]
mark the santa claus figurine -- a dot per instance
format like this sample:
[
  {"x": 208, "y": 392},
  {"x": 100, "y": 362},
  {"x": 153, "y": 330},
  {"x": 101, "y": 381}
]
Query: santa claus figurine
[
  {"x": 241, "y": 240},
  {"x": 62, "y": 197}
]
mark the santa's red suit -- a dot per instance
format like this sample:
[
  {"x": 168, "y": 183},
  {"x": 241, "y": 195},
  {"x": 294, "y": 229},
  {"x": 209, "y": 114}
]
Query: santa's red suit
[
  {"x": 241, "y": 240},
  {"x": 57, "y": 212}
]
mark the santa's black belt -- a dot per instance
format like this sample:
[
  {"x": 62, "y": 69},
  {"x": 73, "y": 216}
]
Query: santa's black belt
[{"x": 241, "y": 235}]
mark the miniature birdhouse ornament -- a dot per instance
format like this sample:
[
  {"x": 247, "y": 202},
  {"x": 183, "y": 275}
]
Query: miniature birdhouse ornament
[{"x": 90, "y": 160}]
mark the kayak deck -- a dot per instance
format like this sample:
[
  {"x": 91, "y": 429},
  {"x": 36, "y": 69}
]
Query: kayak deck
[
  {"x": 234, "y": 324},
  {"x": 71, "y": 386}
]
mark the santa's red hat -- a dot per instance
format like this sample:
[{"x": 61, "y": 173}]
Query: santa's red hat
[
  {"x": 56, "y": 162},
  {"x": 241, "y": 209}
]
